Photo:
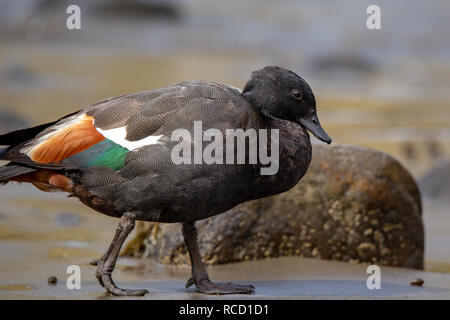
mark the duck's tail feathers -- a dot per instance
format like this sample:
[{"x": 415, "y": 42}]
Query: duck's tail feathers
[
  {"x": 3, "y": 150},
  {"x": 17, "y": 137}
]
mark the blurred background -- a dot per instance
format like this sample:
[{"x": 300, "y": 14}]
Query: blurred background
[{"x": 387, "y": 89}]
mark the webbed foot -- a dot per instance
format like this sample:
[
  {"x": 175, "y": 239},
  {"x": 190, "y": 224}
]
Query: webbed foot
[
  {"x": 208, "y": 287},
  {"x": 107, "y": 282}
]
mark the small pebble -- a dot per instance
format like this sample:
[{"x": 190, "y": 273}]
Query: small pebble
[
  {"x": 417, "y": 282},
  {"x": 52, "y": 280}
]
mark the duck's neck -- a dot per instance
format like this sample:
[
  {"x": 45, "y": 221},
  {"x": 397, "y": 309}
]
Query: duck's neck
[{"x": 294, "y": 153}]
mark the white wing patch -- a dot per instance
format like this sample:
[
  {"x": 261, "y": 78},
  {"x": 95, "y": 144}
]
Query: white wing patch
[{"x": 118, "y": 135}]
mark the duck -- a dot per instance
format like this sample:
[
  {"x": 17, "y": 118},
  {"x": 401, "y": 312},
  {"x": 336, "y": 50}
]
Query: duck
[{"x": 117, "y": 157}]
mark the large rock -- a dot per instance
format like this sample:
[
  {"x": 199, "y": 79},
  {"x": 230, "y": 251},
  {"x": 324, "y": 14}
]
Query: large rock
[{"x": 354, "y": 204}]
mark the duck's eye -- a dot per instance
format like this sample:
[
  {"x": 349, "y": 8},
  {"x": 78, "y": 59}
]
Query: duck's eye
[{"x": 297, "y": 95}]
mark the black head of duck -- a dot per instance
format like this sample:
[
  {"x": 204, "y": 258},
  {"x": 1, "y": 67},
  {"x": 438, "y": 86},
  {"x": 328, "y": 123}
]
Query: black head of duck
[
  {"x": 280, "y": 93},
  {"x": 116, "y": 156}
]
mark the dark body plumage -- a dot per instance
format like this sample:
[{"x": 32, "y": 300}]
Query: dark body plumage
[
  {"x": 115, "y": 156},
  {"x": 161, "y": 191}
]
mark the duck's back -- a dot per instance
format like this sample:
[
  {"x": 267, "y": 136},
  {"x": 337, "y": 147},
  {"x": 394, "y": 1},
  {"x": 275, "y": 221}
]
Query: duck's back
[
  {"x": 159, "y": 112},
  {"x": 149, "y": 180}
]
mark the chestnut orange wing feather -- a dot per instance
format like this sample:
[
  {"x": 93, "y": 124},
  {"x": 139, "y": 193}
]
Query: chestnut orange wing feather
[
  {"x": 52, "y": 146},
  {"x": 75, "y": 137}
]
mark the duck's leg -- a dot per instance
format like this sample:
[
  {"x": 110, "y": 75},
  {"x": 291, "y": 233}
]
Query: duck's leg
[
  {"x": 107, "y": 263},
  {"x": 199, "y": 274}
]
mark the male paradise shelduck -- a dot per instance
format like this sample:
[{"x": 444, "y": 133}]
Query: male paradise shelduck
[{"x": 117, "y": 157}]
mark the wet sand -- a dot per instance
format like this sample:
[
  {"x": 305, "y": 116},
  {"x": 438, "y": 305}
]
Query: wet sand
[
  {"x": 290, "y": 278},
  {"x": 42, "y": 234}
]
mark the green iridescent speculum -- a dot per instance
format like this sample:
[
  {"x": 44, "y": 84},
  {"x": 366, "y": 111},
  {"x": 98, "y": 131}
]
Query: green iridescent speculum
[{"x": 105, "y": 153}]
